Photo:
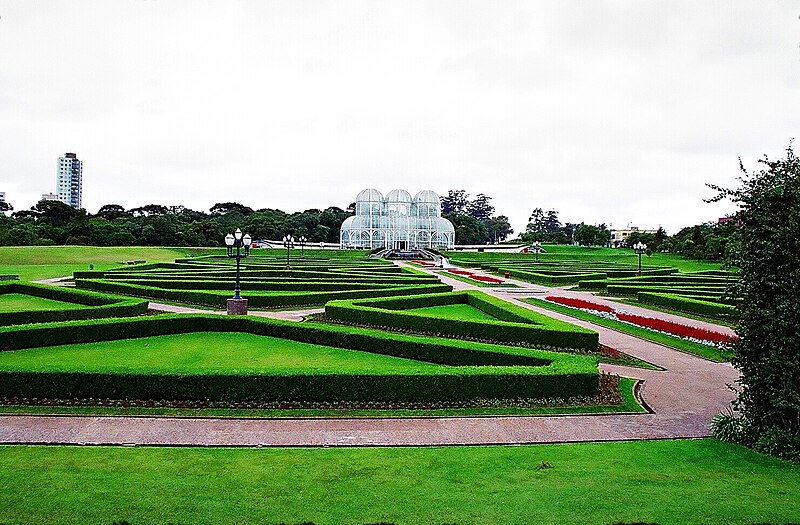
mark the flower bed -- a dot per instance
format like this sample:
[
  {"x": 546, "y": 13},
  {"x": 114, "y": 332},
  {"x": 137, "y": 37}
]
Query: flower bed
[
  {"x": 580, "y": 303},
  {"x": 475, "y": 277},
  {"x": 702, "y": 335}
]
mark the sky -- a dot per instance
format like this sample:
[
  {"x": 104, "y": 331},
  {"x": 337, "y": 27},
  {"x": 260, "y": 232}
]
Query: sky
[{"x": 608, "y": 112}]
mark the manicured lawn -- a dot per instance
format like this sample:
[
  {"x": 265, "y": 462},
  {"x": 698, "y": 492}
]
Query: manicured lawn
[
  {"x": 17, "y": 302},
  {"x": 195, "y": 353},
  {"x": 580, "y": 253},
  {"x": 665, "y": 482},
  {"x": 709, "y": 352},
  {"x": 461, "y": 312},
  {"x": 45, "y": 262}
]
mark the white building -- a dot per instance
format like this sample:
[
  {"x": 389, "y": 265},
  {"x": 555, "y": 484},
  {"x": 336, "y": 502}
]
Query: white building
[
  {"x": 49, "y": 197},
  {"x": 397, "y": 221},
  {"x": 69, "y": 180}
]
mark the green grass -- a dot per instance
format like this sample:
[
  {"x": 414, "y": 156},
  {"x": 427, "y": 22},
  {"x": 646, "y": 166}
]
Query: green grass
[
  {"x": 628, "y": 405},
  {"x": 17, "y": 302},
  {"x": 479, "y": 284},
  {"x": 46, "y": 262},
  {"x": 667, "y": 482},
  {"x": 708, "y": 352},
  {"x": 461, "y": 312},
  {"x": 197, "y": 353},
  {"x": 581, "y": 253}
]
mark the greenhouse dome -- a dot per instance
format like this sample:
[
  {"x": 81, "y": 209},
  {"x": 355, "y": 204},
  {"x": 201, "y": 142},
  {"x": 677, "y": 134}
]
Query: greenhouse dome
[{"x": 397, "y": 221}]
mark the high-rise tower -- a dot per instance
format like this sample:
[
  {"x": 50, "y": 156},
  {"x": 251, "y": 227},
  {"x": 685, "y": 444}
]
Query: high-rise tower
[{"x": 69, "y": 184}]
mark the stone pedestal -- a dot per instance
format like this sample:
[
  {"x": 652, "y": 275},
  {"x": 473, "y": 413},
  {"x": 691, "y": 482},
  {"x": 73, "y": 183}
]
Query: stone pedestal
[{"x": 237, "y": 306}]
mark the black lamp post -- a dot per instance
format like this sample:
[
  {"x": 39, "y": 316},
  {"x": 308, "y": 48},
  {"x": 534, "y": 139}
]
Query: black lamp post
[
  {"x": 640, "y": 248},
  {"x": 288, "y": 241},
  {"x": 302, "y": 240},
  {"x": 237, "y": 305},
  {"x": 537, "y": 249}
]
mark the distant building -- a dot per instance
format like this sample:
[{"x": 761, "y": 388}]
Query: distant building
[
  {"x": 2, "y": 196},
  {"x": 49, "y": 197},
  {"x": 620, "y": 237},
  {"x": 397, "y": 221},
  {"x": 69, "y": 181}
]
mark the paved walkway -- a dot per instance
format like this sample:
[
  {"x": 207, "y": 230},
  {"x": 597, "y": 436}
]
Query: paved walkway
[
  {"x": 684, "y": 397},
  {"x": 286, "y": 315}
]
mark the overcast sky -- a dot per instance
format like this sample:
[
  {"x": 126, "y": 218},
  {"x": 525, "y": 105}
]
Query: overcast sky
[{"x": 614, "y": 112}]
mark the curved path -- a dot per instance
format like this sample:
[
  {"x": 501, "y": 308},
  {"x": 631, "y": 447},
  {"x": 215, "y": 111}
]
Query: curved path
[{"x": 684, "y": 397}]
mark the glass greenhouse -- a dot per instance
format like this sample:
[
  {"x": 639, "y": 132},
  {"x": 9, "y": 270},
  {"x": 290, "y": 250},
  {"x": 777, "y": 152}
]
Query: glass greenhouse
[{"x": 397, "y": 221}]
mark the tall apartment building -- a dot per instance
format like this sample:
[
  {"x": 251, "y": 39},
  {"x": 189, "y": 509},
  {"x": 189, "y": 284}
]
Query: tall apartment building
[{"x": 69, "y": 183}]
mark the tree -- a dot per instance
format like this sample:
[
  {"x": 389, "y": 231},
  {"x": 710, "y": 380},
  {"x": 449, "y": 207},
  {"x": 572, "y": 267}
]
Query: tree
[
  {"x": 111, "y": 212},
  {"x": 221, "y": 208},
  {"x": 499, "y": 228},
  {"x": 455, "y": 203},
  {"x": 590, "y": 235},
  {"x": 768, "y": 257},
  {"x": 480, "y": 208},
  {"x": 545, "y": 227},
  {"x": 5, "y": 206}
]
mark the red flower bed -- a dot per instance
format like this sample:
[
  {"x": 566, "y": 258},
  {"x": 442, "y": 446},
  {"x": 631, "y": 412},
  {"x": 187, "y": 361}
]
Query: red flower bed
[
  {"x": 680, "y": 330},
  {"x": 423, "y": 263},
  {"x": 460, "y": 272},
  {"x": 486, "y": 279},
  {"x": 579, "y": 303}
]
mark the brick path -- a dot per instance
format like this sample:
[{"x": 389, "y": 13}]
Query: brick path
[{"x": 684, "y": 397}]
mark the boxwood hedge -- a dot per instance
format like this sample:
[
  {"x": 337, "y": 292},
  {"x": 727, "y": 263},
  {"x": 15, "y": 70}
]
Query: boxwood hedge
[
  {"x": 475, "y": 370},
  {"x": 88, "y": 305},
  {"x": 687, "y": 304},
  {"x": 514, "y": 324}
]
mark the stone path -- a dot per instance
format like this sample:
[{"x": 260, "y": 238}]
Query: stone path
[{"x": 683, "y": 397}]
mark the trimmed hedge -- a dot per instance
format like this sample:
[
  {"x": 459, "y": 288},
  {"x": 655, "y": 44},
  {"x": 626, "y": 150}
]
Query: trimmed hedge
[
  {"x": 256, "y": 299},
  {"x": 687, "y": 304},
  {"x": 542, "y": 278},
  {"x": 476, "y": 370},
  {"x": 89, "y": 305},
  {"x": 515, "y": 324}
]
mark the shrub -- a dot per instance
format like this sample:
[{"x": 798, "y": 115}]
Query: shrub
[
  {"x": 88, "y": 305},
  {"x": 476, "y": 370},
  {"x": 515, "y": 324}
]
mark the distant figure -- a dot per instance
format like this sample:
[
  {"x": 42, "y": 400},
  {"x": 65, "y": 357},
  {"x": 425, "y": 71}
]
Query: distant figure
[{"x": 91, "y": 266}]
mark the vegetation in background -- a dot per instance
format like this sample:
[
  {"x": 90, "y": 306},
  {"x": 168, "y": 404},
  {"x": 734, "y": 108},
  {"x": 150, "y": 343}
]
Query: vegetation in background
[
  {"x": 474, "y": 220},
  {"x": 768, "y": 352},
  {"x": 53, "y": 222}
]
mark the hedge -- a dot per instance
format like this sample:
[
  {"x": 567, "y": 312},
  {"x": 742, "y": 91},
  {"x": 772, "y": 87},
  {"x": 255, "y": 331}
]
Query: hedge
[
  {"x": 256, "y": 300},
  {"x": 476, "y": 370},
  {"x": 543, "y": 278},
  {"x": 515, "y": 324},
  {"x": 687, "y": 304},
  {"x": 89, "y": 305}
]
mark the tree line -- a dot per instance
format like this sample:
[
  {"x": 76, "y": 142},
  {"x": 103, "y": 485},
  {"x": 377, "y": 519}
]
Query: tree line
[
  {"x": 53, "y": 222},
  {"x": 474, "y": 220}
]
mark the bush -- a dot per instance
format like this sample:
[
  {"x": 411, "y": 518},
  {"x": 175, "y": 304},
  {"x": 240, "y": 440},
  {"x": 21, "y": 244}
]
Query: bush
[
  {"x": 476, "y": 370},
  {"x": 514, "y": 325},
  {"x": 687, "y": 304},
  {"x": 88, "y": 305}
]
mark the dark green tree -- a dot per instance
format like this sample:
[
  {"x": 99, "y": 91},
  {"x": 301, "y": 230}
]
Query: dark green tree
[{"x": 768, "y": 350}]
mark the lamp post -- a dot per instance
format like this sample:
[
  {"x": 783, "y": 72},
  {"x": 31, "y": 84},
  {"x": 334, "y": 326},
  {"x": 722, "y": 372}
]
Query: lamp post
[
  {"x": 640, "y": 248},
  {"x": 302, "y": 240},
  {"x": 237, "y": 305},
  {"x": 537, "y": 249},
  {"x": 288, "y": 241}
]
